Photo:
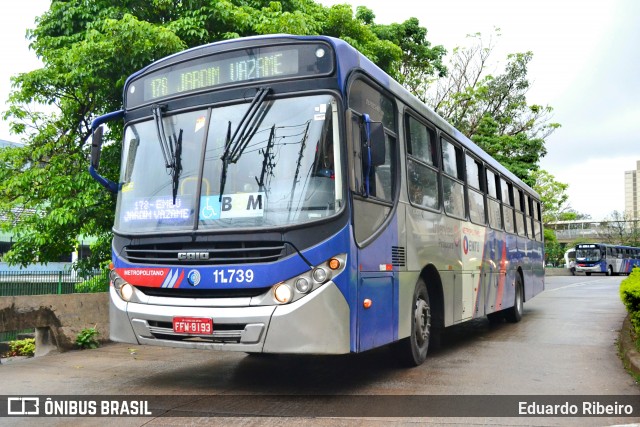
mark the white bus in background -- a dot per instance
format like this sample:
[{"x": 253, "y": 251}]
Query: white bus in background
[{"x": 570, "y": 255}]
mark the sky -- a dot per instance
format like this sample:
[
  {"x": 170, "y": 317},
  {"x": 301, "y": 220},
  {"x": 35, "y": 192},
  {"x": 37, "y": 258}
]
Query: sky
[{"x": 586, "y": 66}]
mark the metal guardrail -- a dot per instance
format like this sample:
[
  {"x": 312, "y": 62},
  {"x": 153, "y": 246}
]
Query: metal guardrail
[{"x": 16, "y": 283}]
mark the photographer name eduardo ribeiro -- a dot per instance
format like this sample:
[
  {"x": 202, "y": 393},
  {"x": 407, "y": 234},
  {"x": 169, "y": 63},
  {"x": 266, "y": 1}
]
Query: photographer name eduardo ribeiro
[{"x": 585, "y": 409}]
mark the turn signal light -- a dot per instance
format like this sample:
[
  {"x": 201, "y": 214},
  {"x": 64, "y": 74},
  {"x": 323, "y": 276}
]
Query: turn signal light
[{"x": 334, "y": 263}]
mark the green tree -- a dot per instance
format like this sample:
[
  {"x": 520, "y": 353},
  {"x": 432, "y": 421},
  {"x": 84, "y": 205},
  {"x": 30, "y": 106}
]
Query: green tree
[
  {"x": 492, "y": 110},
  {"x": 88, "y": 49},
  {"x": 553, "y": 250},
  {"x": 553, "y": 195},
  {"x": 420, "y": 62}
]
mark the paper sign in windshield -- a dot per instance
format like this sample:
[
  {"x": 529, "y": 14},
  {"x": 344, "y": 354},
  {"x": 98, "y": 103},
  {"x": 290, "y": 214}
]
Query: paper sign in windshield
[{"x": 239, "y": 205}]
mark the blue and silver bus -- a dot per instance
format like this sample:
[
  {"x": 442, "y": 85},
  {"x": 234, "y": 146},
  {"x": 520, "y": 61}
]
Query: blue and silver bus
[
  {"x": 282, "y": 194},
  {"x": 604, "y": 258}
]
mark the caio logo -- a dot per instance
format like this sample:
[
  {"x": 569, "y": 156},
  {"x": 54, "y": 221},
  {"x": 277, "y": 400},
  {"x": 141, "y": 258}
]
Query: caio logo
[{"x": 193, "y": 256}]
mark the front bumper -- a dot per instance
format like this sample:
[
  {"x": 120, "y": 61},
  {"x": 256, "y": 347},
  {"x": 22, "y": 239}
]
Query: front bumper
[
  {"x": 592, "y": 269},
  {"x": 317, "y": 324}
]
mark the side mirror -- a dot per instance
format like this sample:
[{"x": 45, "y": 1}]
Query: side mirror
[
  {"x": 374, "y": 144},
  {"x": 373, "y": 149},
  {"x": 96, "y": 147},
  {"x": 377, "y": 144}
]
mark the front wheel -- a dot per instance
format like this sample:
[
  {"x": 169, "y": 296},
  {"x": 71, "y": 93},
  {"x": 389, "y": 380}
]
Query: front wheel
[
  {"x": 609, "y": 271},
  {"x": 413, "y": 349},
  {"x": 514, "y": 314}
]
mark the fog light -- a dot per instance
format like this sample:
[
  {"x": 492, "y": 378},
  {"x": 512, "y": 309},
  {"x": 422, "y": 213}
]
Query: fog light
[
  {"x": 302, "y": 285},
  {"x": 126, "y": 291},
  {"x": 282, "y": 293},
  {"x": 319, "y": 275}
]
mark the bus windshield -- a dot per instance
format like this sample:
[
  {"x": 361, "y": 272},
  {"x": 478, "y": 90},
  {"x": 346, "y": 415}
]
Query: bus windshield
[
  {"x": 261, "y": 164},
  {"x": 592, "y": 254}
]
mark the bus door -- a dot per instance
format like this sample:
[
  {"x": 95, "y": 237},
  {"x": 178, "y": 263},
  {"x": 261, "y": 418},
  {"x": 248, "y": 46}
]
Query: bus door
[{"x": 371, "y": 124}]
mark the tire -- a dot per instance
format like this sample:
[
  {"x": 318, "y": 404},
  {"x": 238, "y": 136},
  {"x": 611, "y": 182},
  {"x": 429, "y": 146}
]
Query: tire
[
  {"x": 609, "y": 271},
  {"x": 413, "y": 349},
  {"x": 514, "y": 314},
  {"x": 588, "y": 273}
]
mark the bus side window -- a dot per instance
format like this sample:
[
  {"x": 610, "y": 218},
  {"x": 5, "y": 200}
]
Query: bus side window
[
  {"x": 475, "y": 191},
  {"x": 493, "y": 205},
  {"x": 383, "y": 175},
  {"x": 452, "y": 187},
  {"x": 507, "y": 205},
  {"x": 527, "y": 215},
  {"x": 519, "y": 211},
  {"x": 366, "y": 99},
  {"x": 537, "y": 224},
  {"x": 422, "y": 182}
]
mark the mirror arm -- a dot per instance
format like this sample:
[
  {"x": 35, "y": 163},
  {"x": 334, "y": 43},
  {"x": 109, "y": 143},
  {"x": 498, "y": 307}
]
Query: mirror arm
[
  {"x": 106, "y": 183},
  {"x": 106, "y": 118},
  {"x": 95, "y": 124}
]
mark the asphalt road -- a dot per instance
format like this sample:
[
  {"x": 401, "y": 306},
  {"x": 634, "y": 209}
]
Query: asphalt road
[{"x": 565, "y": 345}]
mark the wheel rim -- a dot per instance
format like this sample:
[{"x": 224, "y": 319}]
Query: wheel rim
[{"x": 422, "y": 320}]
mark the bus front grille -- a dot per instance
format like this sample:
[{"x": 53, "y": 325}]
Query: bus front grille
[{"x": 206, "y": 253}]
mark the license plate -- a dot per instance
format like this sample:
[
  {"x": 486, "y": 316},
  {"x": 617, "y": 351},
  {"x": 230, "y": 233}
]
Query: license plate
[{"x": 193, "y": 325}]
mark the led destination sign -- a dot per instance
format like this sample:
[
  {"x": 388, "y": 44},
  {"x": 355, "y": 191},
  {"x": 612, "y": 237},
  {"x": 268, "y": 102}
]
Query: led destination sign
[
  {"x": 255, "y": 64},
  {"x": 219, "y": 72}
]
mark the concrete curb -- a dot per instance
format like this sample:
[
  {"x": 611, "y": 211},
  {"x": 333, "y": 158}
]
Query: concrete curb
[
  {"x": 556, "y": 272},
  {"x": 628, "y": 352}
]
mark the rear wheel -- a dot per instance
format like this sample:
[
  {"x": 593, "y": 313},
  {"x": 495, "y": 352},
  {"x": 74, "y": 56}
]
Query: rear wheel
[
  {"x": 413, "y": 349},
  {"x": 514, "y": 314},
  {"x": 588, "y": 273}
]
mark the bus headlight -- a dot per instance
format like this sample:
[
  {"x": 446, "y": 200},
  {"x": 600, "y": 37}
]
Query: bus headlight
[
  {"x": 282, "y": 293},
  {"x": 297, "y": 287},
  {"x": 320, "y": 275},
  {"x": 302, "y": 285},
  {"x": 126, "y": 292}
]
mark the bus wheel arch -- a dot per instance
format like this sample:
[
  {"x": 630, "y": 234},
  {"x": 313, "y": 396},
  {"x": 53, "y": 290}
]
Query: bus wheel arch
[
  {"x": 431, "y": 278},
  {"x": 514, "y": 314},
  {"x": 427, "y": 319}
]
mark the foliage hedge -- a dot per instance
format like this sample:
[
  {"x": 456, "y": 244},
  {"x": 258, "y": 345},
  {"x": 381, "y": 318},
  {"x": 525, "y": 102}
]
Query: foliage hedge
[
  {"x": 630, "y": 295},
  {"x": 25, "y": 347}
]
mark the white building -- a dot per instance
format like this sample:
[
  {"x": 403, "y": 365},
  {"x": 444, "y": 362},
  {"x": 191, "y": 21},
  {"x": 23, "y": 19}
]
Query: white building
[{"x": 632, "y": 192}]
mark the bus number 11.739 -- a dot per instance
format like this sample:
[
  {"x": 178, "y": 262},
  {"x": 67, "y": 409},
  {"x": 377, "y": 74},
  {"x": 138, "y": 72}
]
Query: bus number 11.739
[{"x": 233, "y": 276}]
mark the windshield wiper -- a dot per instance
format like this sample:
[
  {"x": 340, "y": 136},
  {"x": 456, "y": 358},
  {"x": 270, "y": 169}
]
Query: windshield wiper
[
  {"x": 235, "y": 144},
  {"x": 171, "y": 149},
  {"x": 266, "y": 161}
]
